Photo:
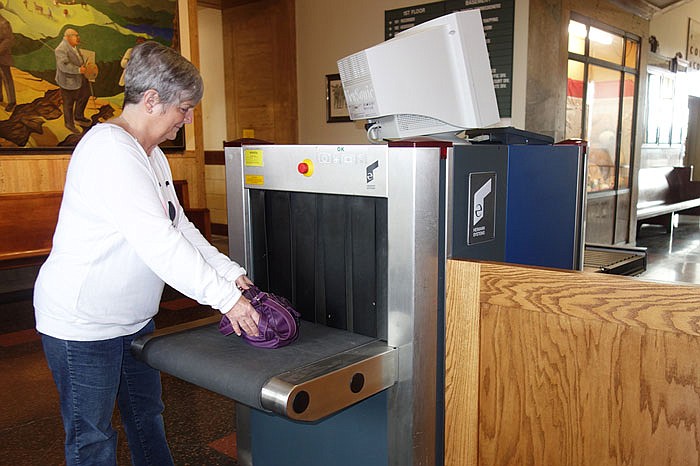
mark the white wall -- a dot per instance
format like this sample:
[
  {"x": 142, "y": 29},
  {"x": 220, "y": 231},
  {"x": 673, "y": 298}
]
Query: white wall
[
  {"x": 328, "y": 30},
  {"x": 211, "y": 60},
  {"x": 331, "y": 29},
  {"x": 671, "y": 28},
  {"x": 211, "y": 57}
]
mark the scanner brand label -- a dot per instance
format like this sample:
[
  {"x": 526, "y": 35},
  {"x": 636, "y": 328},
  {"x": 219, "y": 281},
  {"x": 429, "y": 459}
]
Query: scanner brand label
[
  {"x": 369, "y": 174},
  {"x": 482, "y": 207}
]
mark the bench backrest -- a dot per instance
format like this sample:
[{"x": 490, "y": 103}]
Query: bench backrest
[
  {"x": 27, "y": 223},
  {"x": 681, "y": 181},
  {"x": 654, "y": 187}
]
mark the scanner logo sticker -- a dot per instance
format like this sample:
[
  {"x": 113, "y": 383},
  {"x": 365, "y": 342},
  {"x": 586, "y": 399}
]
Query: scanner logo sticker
[
  {"x": 369, "y": 174},
  {"x": 482, "y": 207}
]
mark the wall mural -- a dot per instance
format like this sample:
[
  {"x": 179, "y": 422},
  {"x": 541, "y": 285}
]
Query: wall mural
[{"x": 61, "y": 65}]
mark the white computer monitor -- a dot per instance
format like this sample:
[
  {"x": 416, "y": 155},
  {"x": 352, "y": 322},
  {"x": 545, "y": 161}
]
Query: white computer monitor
[{"x": 432, "y": 79}]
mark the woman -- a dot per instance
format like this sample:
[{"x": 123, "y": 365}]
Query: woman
[{"x": 121, "y": 234}]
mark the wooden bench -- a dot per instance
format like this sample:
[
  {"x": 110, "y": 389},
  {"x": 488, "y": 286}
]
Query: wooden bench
[
  {"x": 199, "y": 216},
  {"x": 27, "y": 224},
  {"x": 664, "y": 192}
]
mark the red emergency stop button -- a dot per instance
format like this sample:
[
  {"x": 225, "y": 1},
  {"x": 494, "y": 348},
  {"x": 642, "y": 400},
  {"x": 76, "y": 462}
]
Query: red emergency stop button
[{"x": 306, "y": 167}]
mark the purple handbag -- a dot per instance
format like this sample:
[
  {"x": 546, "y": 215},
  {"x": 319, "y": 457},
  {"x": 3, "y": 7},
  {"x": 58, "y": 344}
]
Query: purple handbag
[{"x": 279, "y": 321}]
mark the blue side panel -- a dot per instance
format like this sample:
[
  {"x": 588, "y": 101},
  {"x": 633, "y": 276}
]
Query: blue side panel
[
  {"x": 544, "y": 206},
  {"x": 356, "y": 436},
  {"x": 473, "y": 164}
]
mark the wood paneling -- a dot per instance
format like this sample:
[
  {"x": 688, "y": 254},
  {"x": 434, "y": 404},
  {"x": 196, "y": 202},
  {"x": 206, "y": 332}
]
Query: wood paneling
[
  {"x": 194, "y": 167},
  {"x": 190, "y": 167},
  {"x": 572, "y": 368},
  {"x": 214, "y": 157},
  {"x": 221, "y": 4},
  {"x": 209, "y": 4},
  {"x": 37, "y": 173},
  {"x": 33, "y": 173},
  {"x": 462, "y": 365},
  {"x": 260, "y": 70}
]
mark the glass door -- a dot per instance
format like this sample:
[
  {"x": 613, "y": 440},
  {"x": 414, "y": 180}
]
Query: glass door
[{"x": 603, "y": 67}]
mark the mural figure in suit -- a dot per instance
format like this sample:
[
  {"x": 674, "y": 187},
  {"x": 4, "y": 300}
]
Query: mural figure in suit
[
  {"x": 7, "y": 39},
  {"x": 70, "y": 77}
]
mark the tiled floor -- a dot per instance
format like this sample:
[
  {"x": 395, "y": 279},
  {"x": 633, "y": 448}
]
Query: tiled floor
[
  {"x": 200, "y": 424},
  {"x": 674, "y": 257}
]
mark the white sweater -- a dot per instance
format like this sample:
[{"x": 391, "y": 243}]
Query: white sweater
[{"x": 115, "y": 245}]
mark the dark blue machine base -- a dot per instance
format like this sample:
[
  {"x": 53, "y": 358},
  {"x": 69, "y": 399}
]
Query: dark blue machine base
[{"x": 356, "y": 436}]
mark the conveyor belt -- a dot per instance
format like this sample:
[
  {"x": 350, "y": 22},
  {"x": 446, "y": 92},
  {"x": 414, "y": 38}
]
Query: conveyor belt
[
  {"x": 615, "y": 260},
  {"x": 324, "y": 371}
]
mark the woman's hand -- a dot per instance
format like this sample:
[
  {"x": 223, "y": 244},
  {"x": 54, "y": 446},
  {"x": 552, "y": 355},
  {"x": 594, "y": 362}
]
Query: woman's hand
[
  {"x": 243, "y": 282},
  {"x": 244, "y": 317}
]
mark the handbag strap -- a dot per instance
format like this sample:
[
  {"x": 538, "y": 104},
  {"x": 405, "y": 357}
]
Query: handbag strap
[
  {"x": 252, "y": 293},
  {"x": 284, "y": 309}
]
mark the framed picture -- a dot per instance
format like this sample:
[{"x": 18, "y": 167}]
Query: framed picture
[
  {"x": 46, "y": 104},
  {"x": 336, "y": 109}
]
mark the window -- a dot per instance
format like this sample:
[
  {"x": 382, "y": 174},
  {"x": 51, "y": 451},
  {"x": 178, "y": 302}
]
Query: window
[
  {"x": 602, "y": 82},
  {"x": 667, "y": 109}
]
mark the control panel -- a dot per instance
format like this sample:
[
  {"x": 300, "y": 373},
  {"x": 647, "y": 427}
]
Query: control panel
[{"x": 350, "y": 169}]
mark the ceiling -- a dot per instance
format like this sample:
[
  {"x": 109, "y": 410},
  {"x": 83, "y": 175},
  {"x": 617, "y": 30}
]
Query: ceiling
[
  {"x": 648, "y": 8},
  {"x": 661, "y": 4}
]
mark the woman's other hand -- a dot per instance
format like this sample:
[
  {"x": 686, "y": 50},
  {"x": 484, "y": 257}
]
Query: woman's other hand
[{"x": 243, "y": 317}]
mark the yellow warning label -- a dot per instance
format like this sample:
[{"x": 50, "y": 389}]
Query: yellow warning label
[
  {"x": 255, "y": 179},
  {"x": 253, "y": 157}
]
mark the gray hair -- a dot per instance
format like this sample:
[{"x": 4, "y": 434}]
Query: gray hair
[{"x": 155, "y": 66}]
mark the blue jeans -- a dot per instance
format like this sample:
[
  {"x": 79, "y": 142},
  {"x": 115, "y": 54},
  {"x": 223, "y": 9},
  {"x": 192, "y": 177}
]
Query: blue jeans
[{"x": 90, "y": 377}]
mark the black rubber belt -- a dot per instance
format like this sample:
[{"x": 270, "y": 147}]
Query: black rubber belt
[{"x": 229, "y": 366}]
